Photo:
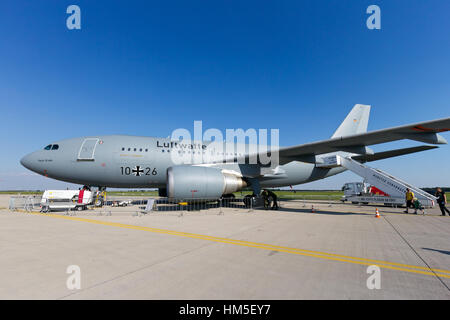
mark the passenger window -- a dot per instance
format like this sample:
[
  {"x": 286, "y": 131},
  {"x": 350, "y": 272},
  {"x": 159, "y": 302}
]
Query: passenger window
[
  {"x": 55, "y": 147},
  {"x": 48, "y": 147}
]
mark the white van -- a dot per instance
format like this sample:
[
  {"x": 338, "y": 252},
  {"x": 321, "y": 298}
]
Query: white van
[{"x": 66, "y": 199}]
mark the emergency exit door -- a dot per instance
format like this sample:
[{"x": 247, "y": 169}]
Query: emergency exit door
[{"x": 87, "y": 149}]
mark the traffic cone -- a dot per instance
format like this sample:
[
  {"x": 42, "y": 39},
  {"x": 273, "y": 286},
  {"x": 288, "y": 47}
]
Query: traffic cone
[
  {"x": 377, "y": 214},
  {"x": 312, "y": 209}
]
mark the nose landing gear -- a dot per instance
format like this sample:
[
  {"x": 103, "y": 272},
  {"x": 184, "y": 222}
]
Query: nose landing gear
[{"x": 100, "y": 197}]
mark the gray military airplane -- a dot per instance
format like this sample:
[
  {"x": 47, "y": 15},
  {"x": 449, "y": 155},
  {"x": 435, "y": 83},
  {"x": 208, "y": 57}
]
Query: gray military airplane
[{"x": 146, "y": 162}]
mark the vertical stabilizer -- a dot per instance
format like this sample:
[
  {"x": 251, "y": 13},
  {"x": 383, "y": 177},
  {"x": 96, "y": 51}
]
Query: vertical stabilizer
[{"x": 355, "y": 122}]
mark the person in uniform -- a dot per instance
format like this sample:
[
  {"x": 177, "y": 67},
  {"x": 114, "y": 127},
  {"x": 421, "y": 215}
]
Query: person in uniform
[
  {"x": 409, "y": 199},
  {"x": 442, "y": 200},
  {"x": 272, "y": 195}
]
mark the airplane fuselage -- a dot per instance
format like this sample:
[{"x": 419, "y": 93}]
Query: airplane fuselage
[{"x": 121, "y": 161}]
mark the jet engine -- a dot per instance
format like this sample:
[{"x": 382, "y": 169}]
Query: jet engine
[{"x": 197, "y": 182}]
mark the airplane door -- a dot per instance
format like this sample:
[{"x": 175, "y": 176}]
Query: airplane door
[{"x": 87, "y": 149}]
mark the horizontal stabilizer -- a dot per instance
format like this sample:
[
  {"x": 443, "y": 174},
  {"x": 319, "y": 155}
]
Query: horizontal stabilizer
[
  {"x": 391, "y": 153},
  {"x": 427, "y": 137}
]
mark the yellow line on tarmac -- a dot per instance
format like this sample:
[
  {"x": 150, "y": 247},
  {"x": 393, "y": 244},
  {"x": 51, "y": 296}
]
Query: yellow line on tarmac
[{"x": 303, "y": 252}]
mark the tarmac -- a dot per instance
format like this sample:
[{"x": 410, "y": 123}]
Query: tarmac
[{"x": 228, "y": 253}]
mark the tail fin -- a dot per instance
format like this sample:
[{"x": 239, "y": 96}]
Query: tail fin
[{"x": 355, "y": 122}]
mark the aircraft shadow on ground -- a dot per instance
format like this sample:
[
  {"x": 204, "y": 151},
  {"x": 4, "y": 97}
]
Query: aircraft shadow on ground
[
  {"x": 194, "y": 207},
  {"x": 437, "y": 250},
  {"x": 318, "y": 211}
]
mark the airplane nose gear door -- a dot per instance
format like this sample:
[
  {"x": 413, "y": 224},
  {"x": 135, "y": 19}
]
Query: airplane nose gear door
[{"x": 87, "y": 149}]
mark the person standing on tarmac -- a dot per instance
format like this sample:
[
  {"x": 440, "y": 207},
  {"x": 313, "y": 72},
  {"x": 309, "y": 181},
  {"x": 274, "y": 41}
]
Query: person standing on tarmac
[
  {"x": 442, "y": 200},
  {"x": 409, "y": 199}
]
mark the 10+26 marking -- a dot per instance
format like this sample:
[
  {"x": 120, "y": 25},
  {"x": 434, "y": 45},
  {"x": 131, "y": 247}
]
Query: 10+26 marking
[{"x": 138, "y": 171}]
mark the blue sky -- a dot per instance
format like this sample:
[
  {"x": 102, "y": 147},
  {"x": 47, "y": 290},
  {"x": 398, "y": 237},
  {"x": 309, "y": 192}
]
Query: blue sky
[{"x": 148, "y": 67}]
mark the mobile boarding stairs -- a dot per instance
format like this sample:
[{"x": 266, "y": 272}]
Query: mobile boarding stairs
[{"x": 392, "y": 186}]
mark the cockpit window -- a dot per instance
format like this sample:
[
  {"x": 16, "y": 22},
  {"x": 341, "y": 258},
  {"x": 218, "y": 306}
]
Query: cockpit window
[
  {"x": 48, "y": 147},
  {"x": 55, "y": 147}
]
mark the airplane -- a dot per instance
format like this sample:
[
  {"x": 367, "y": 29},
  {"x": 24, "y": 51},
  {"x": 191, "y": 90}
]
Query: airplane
[{"x": 121, "y": 161}]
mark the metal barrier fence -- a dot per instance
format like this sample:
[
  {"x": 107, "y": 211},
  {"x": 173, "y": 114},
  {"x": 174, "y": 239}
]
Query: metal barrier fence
[
  {"x": 245, "y": 203},
  {"x": 28, "y": 203},
  {"x": 139, "y": 207},
  {"x": 176, "y": 205},
  {"x": 33, "y": 203},
  {"x": 134, "y": 206}
]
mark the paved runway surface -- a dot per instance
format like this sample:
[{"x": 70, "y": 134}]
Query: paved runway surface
[{"x": 287, "y": 254}]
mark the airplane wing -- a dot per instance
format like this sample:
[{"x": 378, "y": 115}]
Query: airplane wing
[{"x": 424, "y": 132}]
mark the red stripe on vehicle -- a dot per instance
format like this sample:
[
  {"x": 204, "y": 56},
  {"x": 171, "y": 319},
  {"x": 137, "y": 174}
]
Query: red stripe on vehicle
[{"x": 80, "y": 196}]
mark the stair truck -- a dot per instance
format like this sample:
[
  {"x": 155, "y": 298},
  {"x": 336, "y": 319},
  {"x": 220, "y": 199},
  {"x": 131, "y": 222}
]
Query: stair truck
[{"x": 378, "y": 186}]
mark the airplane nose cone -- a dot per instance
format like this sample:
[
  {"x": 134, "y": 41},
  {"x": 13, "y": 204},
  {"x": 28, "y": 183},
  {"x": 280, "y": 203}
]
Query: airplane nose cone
[
  {"x": 30, "y": 161},
  {"x": 26, "y": 161}
]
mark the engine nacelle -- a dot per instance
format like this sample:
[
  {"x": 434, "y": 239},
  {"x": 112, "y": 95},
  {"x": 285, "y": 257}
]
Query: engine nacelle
[{"x": 196, "y": 182}]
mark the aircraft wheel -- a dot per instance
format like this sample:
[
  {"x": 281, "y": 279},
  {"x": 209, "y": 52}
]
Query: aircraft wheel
[{"x": 248, "y": 200}]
